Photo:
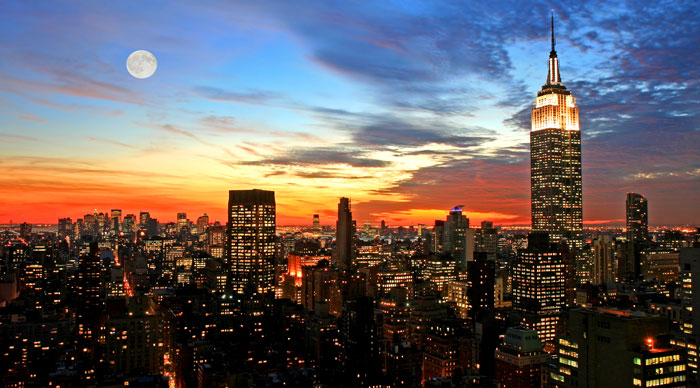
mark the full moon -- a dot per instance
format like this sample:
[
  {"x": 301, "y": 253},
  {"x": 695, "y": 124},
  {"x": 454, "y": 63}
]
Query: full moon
[{"x": 141, "y": 64}]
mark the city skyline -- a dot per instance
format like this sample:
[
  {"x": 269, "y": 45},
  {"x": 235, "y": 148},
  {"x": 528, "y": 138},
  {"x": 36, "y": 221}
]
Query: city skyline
[
  {"x": 440, "y": 105},
  {"x": 333, "y": 126}
]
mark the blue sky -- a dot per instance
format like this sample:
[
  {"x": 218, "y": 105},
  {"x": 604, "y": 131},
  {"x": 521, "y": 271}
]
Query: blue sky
[{"x": 407, "y": 107}]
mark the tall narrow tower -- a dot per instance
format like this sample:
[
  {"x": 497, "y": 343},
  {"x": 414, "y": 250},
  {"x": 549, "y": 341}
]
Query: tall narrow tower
[
  {"x": 555, "y": 160},
  {"x": 344, "y": 233}
]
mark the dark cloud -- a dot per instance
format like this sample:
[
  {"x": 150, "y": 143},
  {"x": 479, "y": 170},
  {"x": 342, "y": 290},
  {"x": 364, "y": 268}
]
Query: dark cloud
[{"x": 320, "y": 156}]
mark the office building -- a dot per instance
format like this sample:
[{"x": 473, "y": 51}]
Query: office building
[
  {"x": 251, "y": 240},
  {"x": 616, "y": 348},
  {"x": 689, "y": 337},
  {"x": 539, "y": 286},
  {"x": 555, "y": 160}
]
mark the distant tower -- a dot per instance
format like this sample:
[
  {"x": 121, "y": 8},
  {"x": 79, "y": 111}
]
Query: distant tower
[
  {"x": 344, "y": 232},
  {"x": 637, "y": 236},
  {"x": 317, "y": 222},
  {"x": 456, "y": 235},
  {"x": 602, "y": 259},
  {"x": 555, "y": 160},
  {"x": 438, "y": 236},
  {"x": 637, "y": 219},
  {"x": 251, "y": 240},
  {"x": 181, "y": 221}
]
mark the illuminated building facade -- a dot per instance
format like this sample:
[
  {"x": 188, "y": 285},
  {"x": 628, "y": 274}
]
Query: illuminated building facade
[
  {"x": 251, "y": 240},
  {"x": 616, "y": 348},
  {"x": 116, "y": 220},
  {"x": 133, "y": 336},
  {"x": 660, "y": 265},
  {"x": 555, "y": 160},
  {"x": 539, "y": 286},
  {"x": 690, "y": 313}
]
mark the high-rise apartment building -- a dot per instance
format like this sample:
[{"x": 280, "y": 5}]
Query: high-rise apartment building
[
  {"x": 344, "y": 235},
  {"x": 251, "y": 240},
  {"x": 555, "y": 160}
]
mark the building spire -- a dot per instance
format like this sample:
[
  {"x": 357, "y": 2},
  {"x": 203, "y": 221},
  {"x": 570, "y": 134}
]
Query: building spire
[
  {"x": 553, "y": 77},
  {"x": 554, "y": 42}
]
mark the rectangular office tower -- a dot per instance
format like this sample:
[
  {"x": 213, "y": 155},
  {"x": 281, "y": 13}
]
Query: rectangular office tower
[
  {"x": 555, "y": 161},
  {"x": 251, "y": 240},
  {"x": 539, "y": 286},
  {"x": 615, "y": 348}
]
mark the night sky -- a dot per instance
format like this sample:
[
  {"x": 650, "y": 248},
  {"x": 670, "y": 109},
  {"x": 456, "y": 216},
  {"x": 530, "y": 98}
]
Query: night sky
[{"x": 407, "y": 108}]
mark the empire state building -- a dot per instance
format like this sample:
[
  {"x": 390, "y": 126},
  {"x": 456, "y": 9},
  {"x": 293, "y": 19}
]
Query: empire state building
[{"x": 555, "y": 160}]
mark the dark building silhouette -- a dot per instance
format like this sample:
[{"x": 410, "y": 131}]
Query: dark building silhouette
[
  {"x": 89, "y": 295},
  {"x": 481, "y": 276},
  {"x": 637, "y": 235},
  {"x": 360, "y": 335},
  {"x": 520, "y": 359},
  {"x": 438, "y": 237},
  {"x": 344, "y": 235},
  {"x": 615, "y": 348},
  {"x": 456, "y": 236}
]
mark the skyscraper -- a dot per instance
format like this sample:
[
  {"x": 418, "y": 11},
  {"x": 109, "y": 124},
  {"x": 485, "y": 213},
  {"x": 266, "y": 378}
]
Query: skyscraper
[
  {"x": 539, "y": 285},
  {"x": 116, "y": 220},
  {"x": 456, "y": 236},
  {"x": 637, "y": 218},
  {"x": 602, "y": 259},
  {"x": 344, "y": 232},
  {"x": 555, "y": 160},
  {"x": 317, "y": 222},
  {"x": 637, "y": 236},
  {"x": 251, "y": 240}
]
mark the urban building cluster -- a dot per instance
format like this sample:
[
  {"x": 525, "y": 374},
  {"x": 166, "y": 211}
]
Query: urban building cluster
[{"x": 124, "y": 300}]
